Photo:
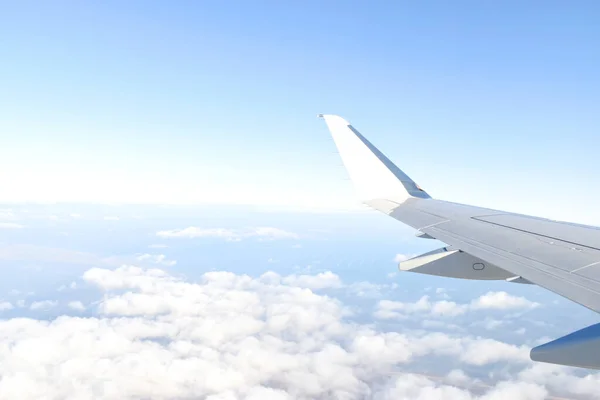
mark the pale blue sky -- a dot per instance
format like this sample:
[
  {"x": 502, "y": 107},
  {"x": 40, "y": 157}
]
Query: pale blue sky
[
  {"x": 166, "y": 102},
  {"x": 489, "y": 103}
]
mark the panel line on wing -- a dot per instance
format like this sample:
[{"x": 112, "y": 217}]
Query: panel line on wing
[
  {"x": 585, "y": 266},
  {"x": 480, "y": 218}
]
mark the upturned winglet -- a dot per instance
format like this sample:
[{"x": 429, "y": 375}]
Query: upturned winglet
[{"x": 379, "y": 183}]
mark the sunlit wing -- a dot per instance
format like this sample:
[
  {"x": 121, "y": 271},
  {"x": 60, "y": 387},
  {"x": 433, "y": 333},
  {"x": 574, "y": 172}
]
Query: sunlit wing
[{"x": 483, "y": 243}]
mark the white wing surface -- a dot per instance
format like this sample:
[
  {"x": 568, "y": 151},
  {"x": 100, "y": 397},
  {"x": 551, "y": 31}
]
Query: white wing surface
[{"x": 484, "y": 243}]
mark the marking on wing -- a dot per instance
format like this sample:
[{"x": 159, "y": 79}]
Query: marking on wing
[
  {"x": 586, "y": 266},
  {"x": 435, "y": 224}
]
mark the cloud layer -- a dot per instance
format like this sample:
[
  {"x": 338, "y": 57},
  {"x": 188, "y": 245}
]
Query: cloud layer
[
  {"x": 264, "y": 232},
  {"x": 387, "y": 309},
  {"x": 232, "y": 336}
]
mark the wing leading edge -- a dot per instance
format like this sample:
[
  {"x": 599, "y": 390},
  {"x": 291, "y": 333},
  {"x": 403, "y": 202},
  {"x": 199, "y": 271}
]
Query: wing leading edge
[{"x": 559, "y": 256}]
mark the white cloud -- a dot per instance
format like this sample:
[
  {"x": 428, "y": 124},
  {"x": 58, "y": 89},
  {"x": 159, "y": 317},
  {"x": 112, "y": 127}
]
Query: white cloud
[
  {"x": 157, "y": 336},
  {"x": 387, "y": 309},
  {"x": 126, "y": 277},
  {"x": 273, "y": 233},
  {"x": 76, "y": 305},
  {"x": 5, "y": 305},
  {"x": 195, "y": 232},
  {"x": 412, "y": 386},
  {"x": 158, "y": 246},
  {"x": 447, "y": 308},
  {"x": 370, "y": 290},
  {"x": 490, "y": 323},
  {"x": 43, "y": 305},
  {"x": 160, "y": 259},
  {"x": 264, "y": 233},
  {"x": 516, "y": 391},
  {"x": 323, "y": 280},
  {"x": 486, "y": 351},
  {"x": 75, "y": 215},
  {"x": 562, "y": 380},
  {"x": 458, "y": 377},
  {"x": 10, "y": 225},
  {"x": 111, "y": 218},
  {"x": 501, "y": 301},
  {"x": 330, "y": 280},
  {"x": 400, "y": 257}
]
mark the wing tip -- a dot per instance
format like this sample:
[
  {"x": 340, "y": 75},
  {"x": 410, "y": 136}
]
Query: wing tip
[
  {"x": 379, "y": 182},
  {"x": 333, "y": 118}
]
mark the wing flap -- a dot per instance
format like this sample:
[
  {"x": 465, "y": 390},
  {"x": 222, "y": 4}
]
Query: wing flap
[{"x": 454, "y": 263}]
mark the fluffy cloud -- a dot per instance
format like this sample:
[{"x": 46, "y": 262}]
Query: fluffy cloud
[
  {"x": 400, "y": 257},
  {"x": 76, "y": 305},
  {"x": 562, "y": 380},
  {"x": 231, "y": 336},
  {"x": 273, "y": 233},
  {"x": 265, "y": 233},
  {"x": 367, "y": 289},
  {"x": 322, "y": 280},
  {"x": 330, "y": 280},
  {"x": 111, "y": 218},
  {"x": 486, "y": 351},
  {"x": 387, "y": 309},
  {"x": 501, "y": 301},
  {"x": 5, "y": 305}
]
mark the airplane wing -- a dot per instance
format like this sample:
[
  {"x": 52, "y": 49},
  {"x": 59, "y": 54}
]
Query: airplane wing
[{"x": 484, "y": 243}]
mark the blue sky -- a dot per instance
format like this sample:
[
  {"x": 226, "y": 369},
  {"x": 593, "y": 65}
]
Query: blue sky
[
  {"x": 212, "y": 102},
  {"x": 196, "y": 219}
]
